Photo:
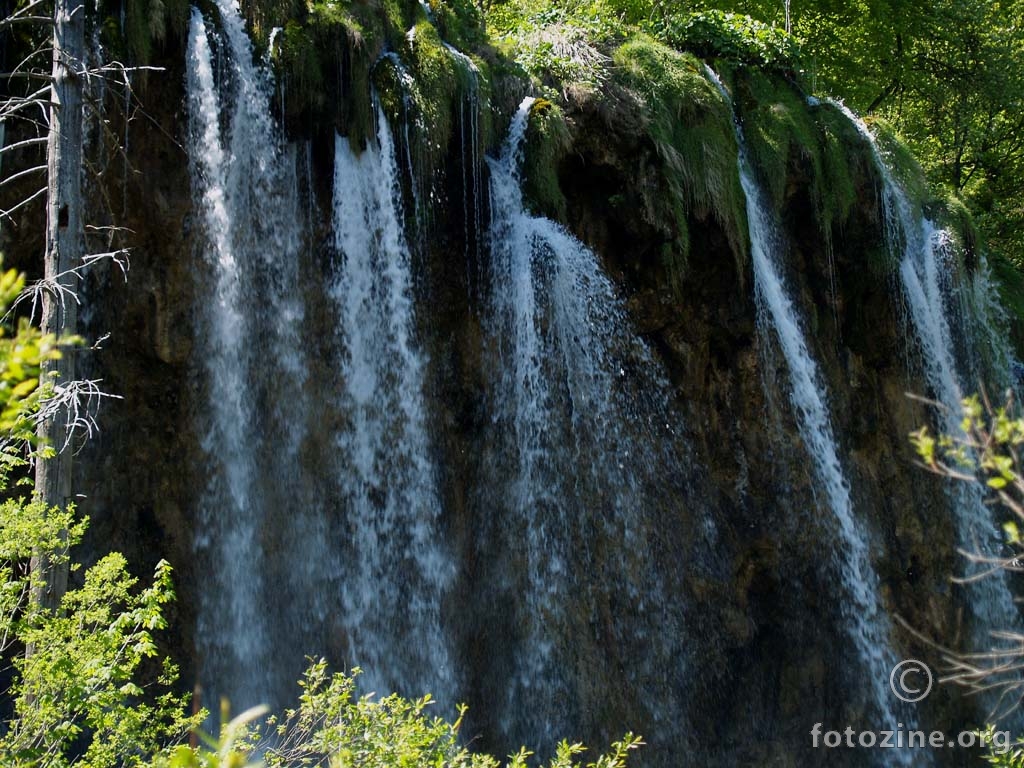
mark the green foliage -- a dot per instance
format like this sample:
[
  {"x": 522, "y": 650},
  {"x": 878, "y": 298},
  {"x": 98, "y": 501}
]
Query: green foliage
[
  {"x": 986, "y": 449},
  {"x": 78, "y": 691},
  {"x": 561, "y": 43},
  {"x": 559, "y": 54},
  {"x": 222, "y": 753},
  {"x": 986, "y": 446},
  {"x": 1000, "y": 753},
  {"x": 730, "y": 36},
  {"x": 547, "y": 141},
  {"x": 691, "y": 129},
  {"x": 21, "y": 356},
  {"x": 460, "y": 21},
  {"x": 334, "y": 726},
  {"x": 76, "y": 695}
]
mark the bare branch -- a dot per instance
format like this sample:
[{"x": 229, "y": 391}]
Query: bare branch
[
  {"x": 24, "y": 143},
  {"x": 21, "y": 174},
  {"x": 80, "y": 401},
  {"x": 9, "y": 213}
]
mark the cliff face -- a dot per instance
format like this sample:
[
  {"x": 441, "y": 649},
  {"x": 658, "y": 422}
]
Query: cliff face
[
  {"x": 775, "y": 651},
  {"x": 748, "y": 646}
]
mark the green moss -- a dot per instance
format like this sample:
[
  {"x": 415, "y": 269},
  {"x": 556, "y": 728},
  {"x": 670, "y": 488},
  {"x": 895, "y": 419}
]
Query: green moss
[
  {"x": 794, "y": 144},
  {"x": 325, "y": 56},
  {"x": 952, "y": 215},
  {"x": 778, "y": 127},
  {"x": 434, "y": 83},
  {"x": 460, "y": 21},
  {"x": 147, "y": 25},
  {"x": 547, "y": 141},
  {"x": 901, "y": 160},
  {"x": 382, "y": 21},
  {"x": 301, "y": 67},
  {"x": 691, "y": 129},
  {"x": 487, "y": 118},
  {"x": 844, "y": 155},
  {"x": 428, "y": 92},
  {"x": 262, "y": 16}
]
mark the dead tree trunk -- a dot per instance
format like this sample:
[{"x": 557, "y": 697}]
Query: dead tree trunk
[{"x": 64, "y": 244}]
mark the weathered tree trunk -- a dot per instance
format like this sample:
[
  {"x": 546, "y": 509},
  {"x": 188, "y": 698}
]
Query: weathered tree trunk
[{"x": 64, "y": 243}]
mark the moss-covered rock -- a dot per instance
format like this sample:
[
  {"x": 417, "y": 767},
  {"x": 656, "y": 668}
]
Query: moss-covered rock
[
  {"x": 691, "y": 129},
  {"x": 460, "y": 22},
  {"x": 1010, "y": 284},
  {"x": 794, "y": 144},
  {"x": 900, "y": 159},
  {"x": 547, "y": 141},
  {"x": 951, "y": 214}
]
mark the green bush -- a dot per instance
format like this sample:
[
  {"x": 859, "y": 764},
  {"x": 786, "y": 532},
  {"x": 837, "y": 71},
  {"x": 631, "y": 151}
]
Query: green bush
[
  {"x": 334, "y": 726},
  {"x": 80, "y": 697},
  {"x": 460, "y": 22},
  {"x": 731, "y": 36}
]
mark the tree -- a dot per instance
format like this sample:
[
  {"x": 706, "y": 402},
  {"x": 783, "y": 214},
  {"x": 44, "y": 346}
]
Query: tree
[
  {"x": 987, "y": 450},
  {"x": 81, "y": 691},
  {"x": 55, "y": 91},
  {"x": 63, "y": 257}
]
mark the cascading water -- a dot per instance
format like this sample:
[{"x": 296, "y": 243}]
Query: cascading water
[
  {"x": 397, "y": 573},
  {"x": 580, "y": 432},
  {"x": 231, "y": 605},
  {"x": 867, "y": 622},
  {"x": 925, "y": 271},
  {"x": 469, "y": 136},
  {"x": 255, "y": 370},
  {"x": 365, "y": 560}
]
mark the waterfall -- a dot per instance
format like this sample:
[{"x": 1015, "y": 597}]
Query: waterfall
[
  {"x": 469, "y": 137},
  {"x": 254, "y": 371},
  {"x": 582, "y": 442},
  {"x": 230, "y": 605},
  {"x": 397, "y": 571},
  {"x": 867, "y": 622},
  {"x": 926, "y": 267}
]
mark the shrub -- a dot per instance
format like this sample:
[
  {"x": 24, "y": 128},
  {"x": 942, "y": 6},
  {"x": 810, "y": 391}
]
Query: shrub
[
  {"x": 334, "y": 726},
  {"x": 731, "y": 36}
]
